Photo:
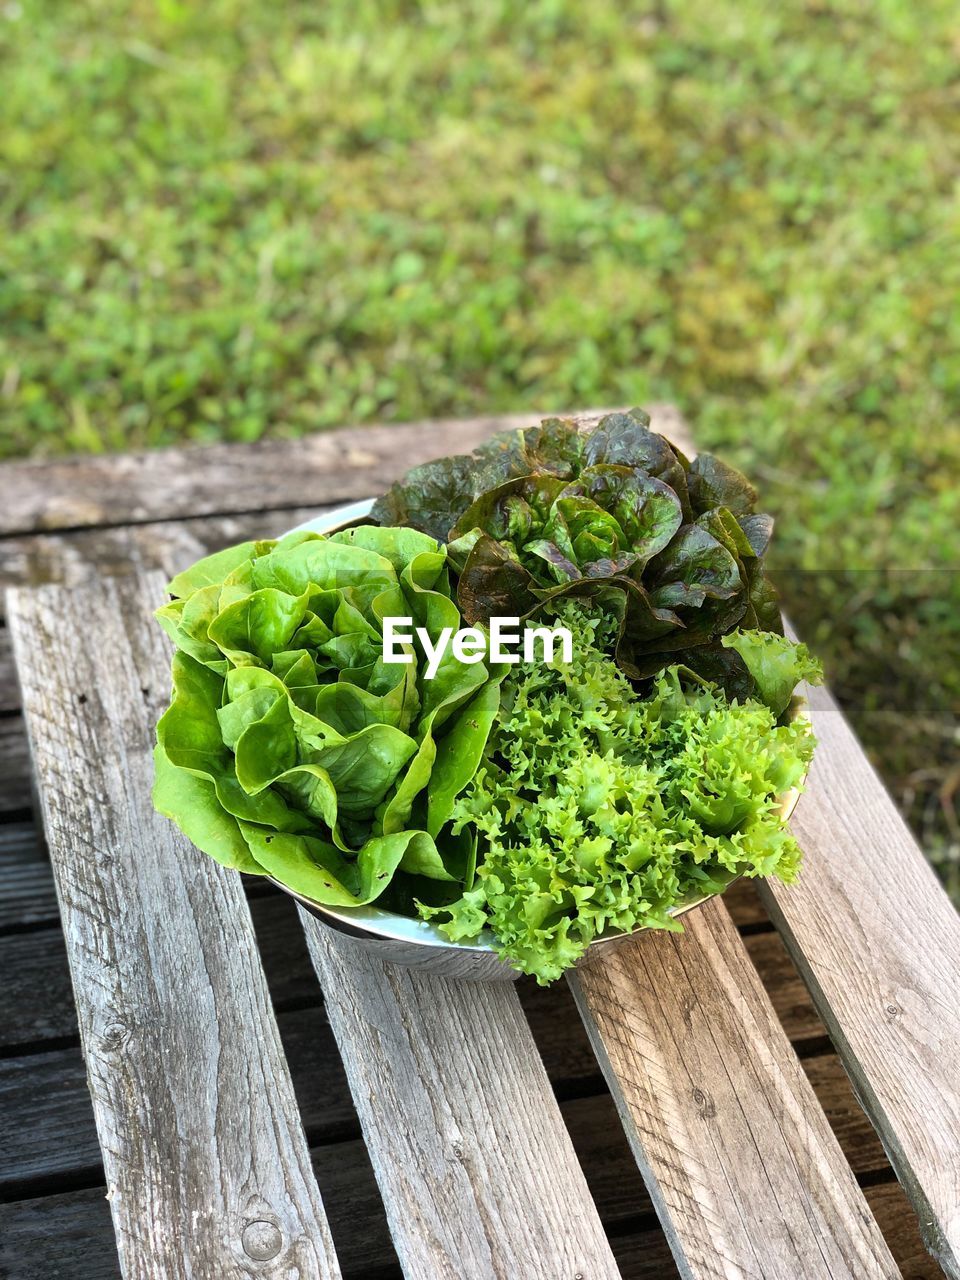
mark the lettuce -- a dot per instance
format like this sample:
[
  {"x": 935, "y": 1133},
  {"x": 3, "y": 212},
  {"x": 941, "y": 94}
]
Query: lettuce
[
  {"x": 775, "y": 665},
  {"x": 290, "y": 748},
  {"x": 671, "y": 550},
  {"x": 600, "y": 811}
]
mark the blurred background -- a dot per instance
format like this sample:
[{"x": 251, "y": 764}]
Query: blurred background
[{"x": 235, "y": 220}]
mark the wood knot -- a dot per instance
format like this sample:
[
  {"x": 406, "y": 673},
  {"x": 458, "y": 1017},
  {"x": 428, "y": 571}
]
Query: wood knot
[
  {"x": 261, "y": 1240},
  {"x": 704, "y": 1103},
  {"x": 114, "y": 1037}
]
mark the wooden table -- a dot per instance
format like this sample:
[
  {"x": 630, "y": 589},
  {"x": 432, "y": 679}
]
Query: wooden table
[{"x": 244, "y": 1125}]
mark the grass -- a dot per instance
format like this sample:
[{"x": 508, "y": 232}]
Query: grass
[{"x": 231, "y": 220}]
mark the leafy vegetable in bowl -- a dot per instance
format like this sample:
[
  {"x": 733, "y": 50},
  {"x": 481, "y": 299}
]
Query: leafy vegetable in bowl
[
  {"x": 290, "y": 748},
  {"x": 672, "y": 549},
  {"x": 530, "y": 809}
]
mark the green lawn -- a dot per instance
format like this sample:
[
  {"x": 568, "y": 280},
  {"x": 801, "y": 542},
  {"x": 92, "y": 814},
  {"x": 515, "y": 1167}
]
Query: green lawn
[{"x": 229, "y": 220}]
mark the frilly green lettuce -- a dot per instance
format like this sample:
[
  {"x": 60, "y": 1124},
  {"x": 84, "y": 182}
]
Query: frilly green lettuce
[
  {"x": 601, "y": 811},
  {"x": 775, "y": 665}
]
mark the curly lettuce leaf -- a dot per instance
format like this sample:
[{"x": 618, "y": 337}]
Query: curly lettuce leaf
[
  {"x": 776, "y": 664},
  {"x": 600, "y": 812}
]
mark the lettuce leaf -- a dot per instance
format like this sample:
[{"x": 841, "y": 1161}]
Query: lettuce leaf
[
  {"x": 600, "y": 811},
  {"x": 776, "y": 664},
  {"x": 673, "y": 549},
  {"x": 290, "y": 748}
]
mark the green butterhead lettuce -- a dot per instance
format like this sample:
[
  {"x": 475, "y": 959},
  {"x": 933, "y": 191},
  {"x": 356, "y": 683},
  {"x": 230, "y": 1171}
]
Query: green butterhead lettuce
[
  {"x": 290, "y": 748},
  {"x": 671, "y": 549}
]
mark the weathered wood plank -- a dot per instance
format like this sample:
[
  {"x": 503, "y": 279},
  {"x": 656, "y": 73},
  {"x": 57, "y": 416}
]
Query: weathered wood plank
[
  {"x": 883, "y": 966},
  {"x": 643, "y": 1255},
  {"x": 72, "y": 559},
  {"x": 318, "y": 470},
  {"x": 196, "y": 1115},
  {"x": 737, "y": 1154},
  {"x": 9, "y": 691},
  {"x": 15, "y": 786},
  {"x": 480, "y": 1179},
  {"x": 45, "y": 1238},
  {"x": 27, "y": 894}
]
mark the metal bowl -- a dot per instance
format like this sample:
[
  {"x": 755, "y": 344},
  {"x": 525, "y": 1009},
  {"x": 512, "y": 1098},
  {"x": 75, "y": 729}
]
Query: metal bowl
[{"x": 415, "y": 943}]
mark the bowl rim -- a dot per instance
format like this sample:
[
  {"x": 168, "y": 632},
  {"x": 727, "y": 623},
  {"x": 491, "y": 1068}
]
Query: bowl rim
[{"x": 390, "y": 926}]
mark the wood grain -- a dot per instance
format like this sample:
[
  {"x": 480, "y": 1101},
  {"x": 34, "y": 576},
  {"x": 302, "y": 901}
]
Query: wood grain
[
  {"x": 27, "y": 894},
  {"x": 317, "y": 470},
  {"x": 477, "y": 1172},
  {"x": 643, "y": 1255},
  {"x": 15, "y": 784},
  {"x": 878, "y": 942},
  {"x": 72, "y": 559},
  {"x": 203, "y": 1150},
  {"x": 9, "y": 691},
  {"x": 737, "y": 1154}
]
